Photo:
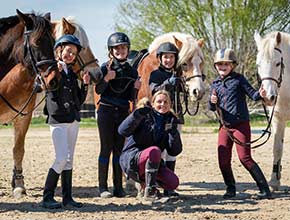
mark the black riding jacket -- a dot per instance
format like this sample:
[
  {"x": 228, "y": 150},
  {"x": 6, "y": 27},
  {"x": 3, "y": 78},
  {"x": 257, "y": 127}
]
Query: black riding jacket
[
  {"x": 118, "y": 91},
  {"x": 63, "y": 105}
]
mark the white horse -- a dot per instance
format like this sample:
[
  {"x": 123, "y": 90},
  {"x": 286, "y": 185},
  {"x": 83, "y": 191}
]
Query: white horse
[{"x": 273, "y": 61}]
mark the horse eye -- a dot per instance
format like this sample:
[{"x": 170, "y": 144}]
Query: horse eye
[
  {"x": 203, "y": 77},
  {"x": 278, "y": 64}
]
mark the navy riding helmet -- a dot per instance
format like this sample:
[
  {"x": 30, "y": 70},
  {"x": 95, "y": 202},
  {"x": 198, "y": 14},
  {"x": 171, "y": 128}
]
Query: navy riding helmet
[{"x": 68, "y": 39}]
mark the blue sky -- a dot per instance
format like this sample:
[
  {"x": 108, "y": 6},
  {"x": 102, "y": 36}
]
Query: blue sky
[{"x": 96, "y": 16}]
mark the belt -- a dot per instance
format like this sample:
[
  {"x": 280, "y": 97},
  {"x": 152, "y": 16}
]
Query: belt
[{"x": 114, "y": 106}]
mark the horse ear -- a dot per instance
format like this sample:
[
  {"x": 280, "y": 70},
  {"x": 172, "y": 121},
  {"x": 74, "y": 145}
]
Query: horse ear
[
  {"x": 47, "y": 16},
  {"x": 278, "y": 38},
  {"x": 178, "y": 43},
  {"x": 67, "y": 27},
  {"x": 257, "y": 37},
  {"x": 200, "y": 42},
  {"x": 25, "y": 19}
]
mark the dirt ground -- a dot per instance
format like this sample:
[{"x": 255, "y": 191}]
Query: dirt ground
[{"x": 201, "y": 187}]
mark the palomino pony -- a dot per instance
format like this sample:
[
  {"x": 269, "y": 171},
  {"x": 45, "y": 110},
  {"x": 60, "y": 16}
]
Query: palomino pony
[
  {"x": 86, "y": 59},
  {"x": 190, "y": 62},
  {"x": 26, "y": 58},
  {"x": 273, "y": 60}
]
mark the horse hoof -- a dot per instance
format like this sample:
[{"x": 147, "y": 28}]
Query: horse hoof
[
  {"x": 274, "y": 185},
  {"x": 18, "y": 192}
]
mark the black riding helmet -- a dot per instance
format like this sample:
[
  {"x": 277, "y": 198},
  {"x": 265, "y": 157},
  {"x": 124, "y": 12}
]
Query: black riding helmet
[
  {"x": 167, "y": 47},
  {"x": 68, "y": 39},
  {"x": 118, "y": 38}
]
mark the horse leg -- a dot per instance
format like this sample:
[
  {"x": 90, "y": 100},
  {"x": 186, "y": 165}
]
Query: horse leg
[
  {"x": 279, "y": 130},
  {"x": 20, "y": 129}
]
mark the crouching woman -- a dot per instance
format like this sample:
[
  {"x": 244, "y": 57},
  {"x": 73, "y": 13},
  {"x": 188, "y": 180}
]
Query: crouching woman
[{"x": 151, "y": 130}]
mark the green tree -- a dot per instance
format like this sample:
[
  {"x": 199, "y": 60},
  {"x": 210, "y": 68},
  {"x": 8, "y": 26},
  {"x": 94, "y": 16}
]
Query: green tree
[{"x": 222, "y": 23}]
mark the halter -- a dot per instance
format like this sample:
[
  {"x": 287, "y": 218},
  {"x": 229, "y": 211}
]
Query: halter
[{"x": 37, "y": 79}]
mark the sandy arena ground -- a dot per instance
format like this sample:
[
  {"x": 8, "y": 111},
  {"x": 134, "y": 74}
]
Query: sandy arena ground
[{"x": 201, "y": 187}]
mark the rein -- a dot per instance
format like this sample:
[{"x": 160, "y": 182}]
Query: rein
[
  {"x": 38, "y": 79},
  {"x": 130, "y": 79},
  {"x": 269, "y": 119},
  {"x": 248, "y": 144}
]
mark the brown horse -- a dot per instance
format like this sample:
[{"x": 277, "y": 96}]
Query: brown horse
[
  {"x": 86, "y": 59},
  {"x": 190, "y": 62},
  {"x": 26, "y": 58}
]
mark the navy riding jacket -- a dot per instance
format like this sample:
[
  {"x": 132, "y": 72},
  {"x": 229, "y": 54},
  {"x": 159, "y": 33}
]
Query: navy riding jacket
[
  {"x": 231, "y": 92},
  {"x": 118, "y": 91},
  {"x": 63, "y": 105},
  {"x": 143, "y": 131},
  {"x": 159, "y": 80}
]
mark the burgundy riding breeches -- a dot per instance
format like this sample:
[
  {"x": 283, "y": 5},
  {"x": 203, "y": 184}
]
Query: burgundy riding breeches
[
  {"x": 242, "y": 132},
  {"x": 165, "y": 177}
]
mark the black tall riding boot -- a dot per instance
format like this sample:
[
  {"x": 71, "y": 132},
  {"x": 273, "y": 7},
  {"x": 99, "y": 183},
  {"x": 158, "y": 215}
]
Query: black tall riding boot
[
  {"x": 171, "y": 166},
  {"x": 261, "y": 181},
  {"x": 118, "y": 181},
  {"x": 151, "y": 170},
  {"x": 103, "y": 178},
  {"x": 66, "y": 183},
  {"x": 49, "y": 188},
  {"x": 230, "y": 183}
]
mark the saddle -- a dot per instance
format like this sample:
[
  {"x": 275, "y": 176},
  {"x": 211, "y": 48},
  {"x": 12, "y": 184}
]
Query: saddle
[{"x": 135, "y": 57}]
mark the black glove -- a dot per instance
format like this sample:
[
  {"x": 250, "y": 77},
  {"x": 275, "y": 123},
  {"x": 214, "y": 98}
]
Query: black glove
[
  {"x": 171, "y": 127},
  {"x": 96, "y": 76},
  {"x": 143, "y": 111}
]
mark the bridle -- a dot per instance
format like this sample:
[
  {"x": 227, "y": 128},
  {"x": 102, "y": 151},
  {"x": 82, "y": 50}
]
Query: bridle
[
  {"x": 279, "y": 80},
  {"x": 269, "y": 119},
  {"x": 38, "y": 79},
  {"x": 186, "y": 94},
  {"x": 84, "y": 64}
]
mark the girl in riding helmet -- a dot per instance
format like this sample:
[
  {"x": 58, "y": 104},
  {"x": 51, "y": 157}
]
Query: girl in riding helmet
[
  {"x": 228, "y": 97},
  {"x": 116, "y": 89},
  {"x": 164, "y": 78},
  {"x": 62, "y": 109}
]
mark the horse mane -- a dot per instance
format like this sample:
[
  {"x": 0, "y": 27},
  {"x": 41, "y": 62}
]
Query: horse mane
[
  {"x": 268, "y": 43},
  {"x": 7, "y": 23},
  {"x": 189, "y": 45},
  {"x": 79, "y": 31},
  {"x": 11, "y": 40}
]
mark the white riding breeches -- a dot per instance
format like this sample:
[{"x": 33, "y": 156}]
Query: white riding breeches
[{"x": 64, "y": 137}]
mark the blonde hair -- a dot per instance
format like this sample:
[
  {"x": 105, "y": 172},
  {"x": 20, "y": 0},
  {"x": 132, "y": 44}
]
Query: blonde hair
[
  {"x": 161, "y": 92},
  {"x": 145, "y": 101}
]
